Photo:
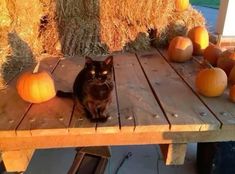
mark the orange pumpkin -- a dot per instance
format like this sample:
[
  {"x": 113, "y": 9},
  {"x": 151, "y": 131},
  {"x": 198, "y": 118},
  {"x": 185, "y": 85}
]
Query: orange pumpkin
[
  {"x": 180, "y": 49},
  {"x": 36, "y": 87},
  {"x": 200, "y": 38},
  {"x": 212, "y": 53},
  {"x": 211, "y": 82},
  {"x": 226, "y": 61},
  {"x": 231, "y": 77},
  {"x": 181, "y": 5},
  {"x": 232, "y": 93}
]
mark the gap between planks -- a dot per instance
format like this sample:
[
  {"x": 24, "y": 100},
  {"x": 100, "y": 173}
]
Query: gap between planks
[
  {"x": 222, "y": 109},
  {"x": 138, "y": 109},
  {"x": 22, "y": 129},
  {"x": 38, "y": 122},
  {"x": 10, "y": 118},
  {"x": 172, "y": 93},
  {"x": 113, "y": 124},
  {"x": 164, "y": 55}
]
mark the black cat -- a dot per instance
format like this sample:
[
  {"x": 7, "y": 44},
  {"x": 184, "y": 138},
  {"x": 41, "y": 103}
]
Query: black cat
[{"x": 93, "y": 87}]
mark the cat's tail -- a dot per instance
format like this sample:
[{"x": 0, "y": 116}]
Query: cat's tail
[{"x": 63, "y": 94}]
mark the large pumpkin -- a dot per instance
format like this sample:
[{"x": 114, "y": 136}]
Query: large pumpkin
[
  {"x": 36, "y": 87},
  {"x": 226, "y": 61},
  {"x": 212, "y": 53},
  {"x": 211, "y": 82},
  {"x": 200, "y": 38},
  {"x": 181, "y": 5},
  {"x": 180, "y": 49}
]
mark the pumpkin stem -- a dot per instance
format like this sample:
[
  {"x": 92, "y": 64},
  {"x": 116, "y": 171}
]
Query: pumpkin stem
[{"x": 36, "y": 68}]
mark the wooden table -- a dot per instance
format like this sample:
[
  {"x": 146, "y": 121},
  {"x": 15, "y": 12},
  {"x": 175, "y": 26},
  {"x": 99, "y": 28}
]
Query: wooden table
[{"x": 154, "y": 102}]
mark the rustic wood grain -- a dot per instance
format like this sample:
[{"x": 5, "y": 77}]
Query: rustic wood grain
[
  {"x": 112, "y": 124},
  {"x": 135, "y": 98},
  {"x": 79, "y": 122},
  {"x": 109, "y": 139},
  {"x": 54, "y": 116},
  {"x": 17, "y": 161},
  {"x": 183, "y": 109},
  {"x": 11, "y": 116},
  {"x": 223, "y": 109},
  {"x": 174, "y": 154}
]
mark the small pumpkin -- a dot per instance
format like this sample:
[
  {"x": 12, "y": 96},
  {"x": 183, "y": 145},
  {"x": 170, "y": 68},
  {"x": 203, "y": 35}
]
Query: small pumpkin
[
  {"x": 36, "y": 87},
  {"x": 231, "y": 77},
  {"x": 226, "y": 61},
  {"x": 181, "y": 5},
  {"x": 232, "y": 93},
  {"x": 180, "y": 49},
  {"x": 200, "y": 38},
  {"x": 212, "y": 53},
  {"x": 211, "y": 82}
]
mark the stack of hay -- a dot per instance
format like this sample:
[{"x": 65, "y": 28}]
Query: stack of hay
[{"x": 85, "y": 27}]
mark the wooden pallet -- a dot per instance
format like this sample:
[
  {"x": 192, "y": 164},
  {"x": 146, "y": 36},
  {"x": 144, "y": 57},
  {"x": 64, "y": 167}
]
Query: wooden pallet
[{"x": 154, "y": 102}]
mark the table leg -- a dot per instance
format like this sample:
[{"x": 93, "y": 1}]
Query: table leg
[
  {"x": 16, "y": 161},
  {"x": 174, "y": 154}
]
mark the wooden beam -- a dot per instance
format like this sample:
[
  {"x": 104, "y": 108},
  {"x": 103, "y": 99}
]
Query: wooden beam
[
  {"x": 17, "y": 161},
  {"x": 174, "y": 154},
  {"x": 108, "y": 139}
]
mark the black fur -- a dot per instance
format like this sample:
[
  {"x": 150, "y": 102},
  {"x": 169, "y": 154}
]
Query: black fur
[{"x": 93, "y": 87}]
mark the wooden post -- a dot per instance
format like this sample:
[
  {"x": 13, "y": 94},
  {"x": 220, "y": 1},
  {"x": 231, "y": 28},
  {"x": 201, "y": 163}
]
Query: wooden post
[
  {"x": 174, "y": 154},
  {"x": 225, "y": 26},
  {"x": 17, "y": 161}
]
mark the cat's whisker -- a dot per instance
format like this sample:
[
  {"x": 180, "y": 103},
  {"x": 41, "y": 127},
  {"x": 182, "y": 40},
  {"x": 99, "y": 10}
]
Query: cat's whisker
[{"x": 92, "y": 88}]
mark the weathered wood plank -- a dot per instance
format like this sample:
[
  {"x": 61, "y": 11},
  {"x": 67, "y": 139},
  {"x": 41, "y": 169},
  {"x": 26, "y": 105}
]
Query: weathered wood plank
[
  {"x": 183, "y": 109},
  {"x": 112, "y": 124},
  {"x": 80, "y": 124},
  {"x": 11, "y": 117},
  {"x": 137, "y": 104},
  {"x": 17, "y": 161},
  {"x": 53, "y": 116},
  {"x": 174, "y": 154},
  {"x": 223, "y": 109},
  {"x": 108, "y": 139}
]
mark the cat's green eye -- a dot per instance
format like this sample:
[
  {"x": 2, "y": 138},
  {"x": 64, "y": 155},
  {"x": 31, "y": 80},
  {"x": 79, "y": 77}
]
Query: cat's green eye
[
  {"x": 92, "y": 72},
  {"x": 105, "y": 72}
]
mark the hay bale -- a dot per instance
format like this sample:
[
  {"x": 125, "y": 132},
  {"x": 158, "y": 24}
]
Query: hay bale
[
  {"x": 94, "y": 27},
  {"x": 19, "y": 21},
  {"x": 179, "y": 23},
  {"x": 86, "y": 27}
]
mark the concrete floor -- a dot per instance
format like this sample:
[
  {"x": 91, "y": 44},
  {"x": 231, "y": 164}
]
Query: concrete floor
[{"x": 144, "y": 160}]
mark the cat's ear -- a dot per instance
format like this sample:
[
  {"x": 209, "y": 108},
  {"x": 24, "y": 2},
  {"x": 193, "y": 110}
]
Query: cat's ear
[
  {"x": 88, "y": 60},
  {"x": 109, "y": 60}
]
